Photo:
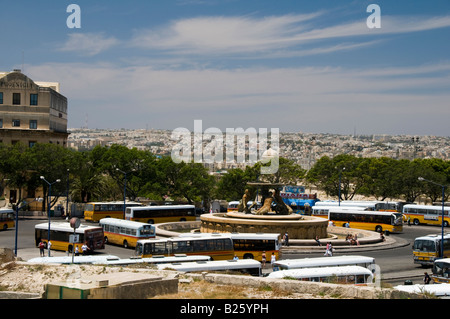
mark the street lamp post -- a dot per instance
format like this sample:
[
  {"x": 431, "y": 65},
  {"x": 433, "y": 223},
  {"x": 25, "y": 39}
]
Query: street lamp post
[
  {"x": 339, "y": 192},
  {"x": 48, "y": 207},
  {"x": 124, "y": 190},
  {"x": 443, "y": 205}
]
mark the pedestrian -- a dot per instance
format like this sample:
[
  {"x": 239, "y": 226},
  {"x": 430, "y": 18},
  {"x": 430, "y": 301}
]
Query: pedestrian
[
  {"x": 84, "y": 249},
  {"x": 409, "y": 220},
  {"x": 426, "y": 278},
  {"x": 236, "y": 257},
  {"x": 263, "y": 259},
  {"x": 329, "y": 250},
  {"x": 49, "y": 246},
  {"x": 42, "y": 248},
  {"x": 318, "y": 241},
  {"x": 77, "y": 251},
  {"x": 273, "y": 259},
  {"x": 382, "y": 236},
  {"x": 286, "y": 239}
]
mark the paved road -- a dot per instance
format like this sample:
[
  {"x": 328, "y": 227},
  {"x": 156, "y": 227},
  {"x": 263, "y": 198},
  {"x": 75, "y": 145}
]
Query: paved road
[{"x": 394, "y": 260}]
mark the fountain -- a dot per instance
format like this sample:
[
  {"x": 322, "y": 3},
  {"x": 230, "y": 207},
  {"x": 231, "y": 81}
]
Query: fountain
[{"x": 274, "y": 216}]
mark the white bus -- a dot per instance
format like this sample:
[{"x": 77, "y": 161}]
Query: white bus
[
  {"x": 250, "y": 266},
  {"x": 322, "y": 211},
  {"x": 155, "y": 260},
  {"x": 335, "y": 261},
  {"x": 161, "y": 214},
  {"x": 367, "y": 205},
  {"x": 125, "y": 232},
  {"x": 426, "y": 214},
  {"x": 341, "y": 275}
]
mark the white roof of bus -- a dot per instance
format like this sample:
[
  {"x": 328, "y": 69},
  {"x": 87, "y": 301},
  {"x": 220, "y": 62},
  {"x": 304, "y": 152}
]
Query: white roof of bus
[
  {"x": 345, "y": 203},
  {"x": 362, "y": 212},
  {"x": 437, "y": 290},
  {"x": 436, "y": 207},
  {"x": 183, "y": 238},
  {"x": 339, "y": 207},
  {"x": 91, "y": 259},
  {"x": 212, "y": 265},
  {"x": 161, "y": 207},
  {"x": 433, "y": 237},
  {"x": 123, "y": 223},
  {"x": 156, "y": 260},
  {"x": 321, "y": 272},
  {"x": 65, "y": 226},
  {"x": 115, "y": 202},
  {"x": 324, "y": 261}
]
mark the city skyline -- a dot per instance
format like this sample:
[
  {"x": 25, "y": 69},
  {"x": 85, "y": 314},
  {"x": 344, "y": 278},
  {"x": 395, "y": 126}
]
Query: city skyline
[{"x": 297, "y": 66}]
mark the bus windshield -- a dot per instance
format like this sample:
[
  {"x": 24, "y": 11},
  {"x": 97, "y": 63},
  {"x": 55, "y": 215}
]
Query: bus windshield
[{"x": 424, "y": 245}]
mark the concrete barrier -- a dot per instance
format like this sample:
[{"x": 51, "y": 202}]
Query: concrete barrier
[{"x": 305, "y": 287}]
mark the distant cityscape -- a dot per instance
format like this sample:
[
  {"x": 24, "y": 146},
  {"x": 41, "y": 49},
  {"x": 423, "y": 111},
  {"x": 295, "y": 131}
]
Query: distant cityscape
[{"x": 302, "y": 148}]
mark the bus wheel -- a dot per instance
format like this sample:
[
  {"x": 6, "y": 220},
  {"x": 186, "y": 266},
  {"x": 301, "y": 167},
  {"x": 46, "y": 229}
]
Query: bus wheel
[
  {"x": 379, "y": 229},
  {"x": 5, "y": 227},
  {"x": 106, "y": 240},
  {"x": 416, "y": 222},
  {"x": 182, "y": 219},
  {"x": 248, "y": 256},
  {"x": 125, "y": 244},
  {"x": 445, "y": 223}
]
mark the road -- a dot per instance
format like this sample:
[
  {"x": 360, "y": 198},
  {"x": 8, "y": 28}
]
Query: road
[{"x": 394, "y": 263}]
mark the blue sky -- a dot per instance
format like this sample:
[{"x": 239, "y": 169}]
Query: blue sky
[{"x": 309, "y": 66}]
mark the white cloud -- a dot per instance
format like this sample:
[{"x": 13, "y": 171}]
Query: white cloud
[
  {"x": 252, "y": 35},
  {"x": 305, "y": 98},
  {"x": 88, "y": 44}
]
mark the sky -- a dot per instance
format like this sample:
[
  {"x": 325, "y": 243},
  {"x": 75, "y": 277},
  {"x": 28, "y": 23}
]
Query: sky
[{"x": 299, "y": 66}]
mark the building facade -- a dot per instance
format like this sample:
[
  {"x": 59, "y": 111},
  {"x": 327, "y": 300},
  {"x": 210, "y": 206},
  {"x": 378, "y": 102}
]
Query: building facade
[{"x": 31, "y": 112}]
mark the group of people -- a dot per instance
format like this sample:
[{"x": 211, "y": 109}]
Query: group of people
[
  {"x": 352, "y": 239},
  {"x": 84, "y": 248}
]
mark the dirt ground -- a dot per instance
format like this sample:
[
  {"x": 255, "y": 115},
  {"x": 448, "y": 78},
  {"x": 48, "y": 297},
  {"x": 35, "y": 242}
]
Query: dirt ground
[{"x": 26, "y": 277}]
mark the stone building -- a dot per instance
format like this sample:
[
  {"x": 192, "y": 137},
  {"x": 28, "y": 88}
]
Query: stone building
[{"x": 31, "y": 112}]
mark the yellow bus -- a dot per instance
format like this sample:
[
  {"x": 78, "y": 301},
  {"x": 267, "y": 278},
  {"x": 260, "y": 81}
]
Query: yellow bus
[
  {"x": 125, "y": 232},
  {"x": 60, "y": 235},
  {"x": 161, "y": 214},
  {"x": 426, "y": 214},
  {"x": 95, "y": 211},
  {"x": 233, "y": 206},
  {"x": 7, "y": 217},
  {"x": 217, "y": 246},
  {"x": 250, "y": 245},
  {"x": 426, "y": 249},
  {"x": 368, "y": 220}
]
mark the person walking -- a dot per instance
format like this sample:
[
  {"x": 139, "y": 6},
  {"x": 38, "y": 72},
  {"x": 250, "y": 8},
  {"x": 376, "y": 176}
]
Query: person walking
[
  {"x": 263, "y": 259},
  {"x": 329, "y": 250},
  {"x": 273, "y": 259},
  {"x": 286, "y": 239},
  {"x": 42, "y": 248},
  {"x": 426, "y": 278}
]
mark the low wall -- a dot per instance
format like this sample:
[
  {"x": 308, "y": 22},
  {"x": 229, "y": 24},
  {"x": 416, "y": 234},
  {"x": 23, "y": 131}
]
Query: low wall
[
  {"x": 304, "y": 287},
  {"x": 308, "y": 227}
]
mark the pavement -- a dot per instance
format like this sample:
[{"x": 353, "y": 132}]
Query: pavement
[{"x": 369, "y": 242}]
